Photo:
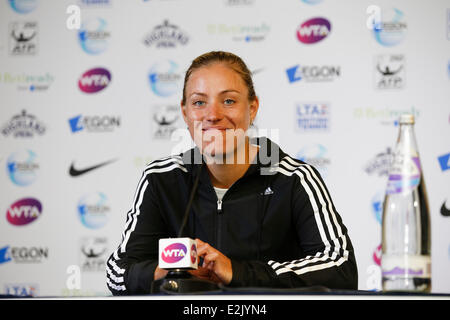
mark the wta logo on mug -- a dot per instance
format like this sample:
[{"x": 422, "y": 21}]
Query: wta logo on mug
[{"x": 177, "y": 253}]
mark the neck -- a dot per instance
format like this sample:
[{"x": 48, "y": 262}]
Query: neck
[{"x": 225, "y": 174}]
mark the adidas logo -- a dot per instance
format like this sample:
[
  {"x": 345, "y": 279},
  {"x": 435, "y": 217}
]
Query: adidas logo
[{"x": 268, "y": 191}]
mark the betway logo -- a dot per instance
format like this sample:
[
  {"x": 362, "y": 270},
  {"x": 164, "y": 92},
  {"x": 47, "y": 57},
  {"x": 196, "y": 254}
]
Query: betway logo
[{"x": 174, "y": 252}]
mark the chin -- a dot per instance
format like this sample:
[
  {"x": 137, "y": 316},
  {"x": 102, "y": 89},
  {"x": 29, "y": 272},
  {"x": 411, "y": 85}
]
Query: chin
[{"x": 218, "y": 154}]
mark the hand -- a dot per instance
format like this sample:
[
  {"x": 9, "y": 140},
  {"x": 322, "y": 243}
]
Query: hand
[
  {"x": 159, "y": 273},
  {"x": 216, "y": 266}
]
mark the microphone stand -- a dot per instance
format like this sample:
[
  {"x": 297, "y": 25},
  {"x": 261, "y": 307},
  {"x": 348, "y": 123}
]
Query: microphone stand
[{"x": 180, "y": 280}]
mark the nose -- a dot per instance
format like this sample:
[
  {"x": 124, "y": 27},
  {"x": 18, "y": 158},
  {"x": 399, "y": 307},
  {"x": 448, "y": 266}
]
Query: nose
[{"x": 214, "y": 112}]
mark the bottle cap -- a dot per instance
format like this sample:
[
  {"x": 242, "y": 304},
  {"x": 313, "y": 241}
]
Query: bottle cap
[{"x": 407, "y": 118}]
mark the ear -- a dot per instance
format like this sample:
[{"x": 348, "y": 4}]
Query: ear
[
  {"x": 183, "y": 111},
  {"x": 254, "y": 106}
]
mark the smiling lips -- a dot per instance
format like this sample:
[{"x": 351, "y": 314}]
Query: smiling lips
[{"x": 216, "y": 129}]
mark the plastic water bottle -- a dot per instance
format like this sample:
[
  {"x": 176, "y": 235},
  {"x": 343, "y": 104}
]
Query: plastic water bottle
[{"x": 406, "y": 236}]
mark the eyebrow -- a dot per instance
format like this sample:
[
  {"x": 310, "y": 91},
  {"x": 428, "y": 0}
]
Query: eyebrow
[{"x": 222, "y": 92}]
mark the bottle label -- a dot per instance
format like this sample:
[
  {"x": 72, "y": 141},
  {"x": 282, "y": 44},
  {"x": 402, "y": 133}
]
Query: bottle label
[
  {"x": 404, "y": 174},
  {"x": 406, "y": 265}
]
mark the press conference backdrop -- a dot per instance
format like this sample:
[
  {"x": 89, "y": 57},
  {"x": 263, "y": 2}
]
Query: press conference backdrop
[{"x": 85, "y": 107}]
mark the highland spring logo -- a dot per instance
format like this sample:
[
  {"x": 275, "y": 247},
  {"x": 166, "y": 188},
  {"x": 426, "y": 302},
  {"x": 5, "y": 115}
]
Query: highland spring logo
[
  {"x": 23, "y": 125},
  {"x": 313, "y": 30},
  {"x": 166, "y": 35}
]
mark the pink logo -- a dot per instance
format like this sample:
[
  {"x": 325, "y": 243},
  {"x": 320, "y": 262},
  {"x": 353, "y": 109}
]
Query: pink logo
[
  {"x": 313, "y": 30},
  {"x": 377, "y": 255},
  {"x": 193, "y": 253},
  {"x": 94, "y": 80},
  {"x": 174, "y": 252},
  {"x": 24, "y": 211}
]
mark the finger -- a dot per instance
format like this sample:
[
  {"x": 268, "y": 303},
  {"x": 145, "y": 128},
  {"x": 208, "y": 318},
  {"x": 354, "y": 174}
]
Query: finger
[
  {"x": 199, "y": 242},
  {"x": 200, "y": 272},
  {"x": 203, "y": 249},
  {"x": 200, "y": 275},
  {"x": 159, "y": 273},
  {"x": 210, "y": 258}
]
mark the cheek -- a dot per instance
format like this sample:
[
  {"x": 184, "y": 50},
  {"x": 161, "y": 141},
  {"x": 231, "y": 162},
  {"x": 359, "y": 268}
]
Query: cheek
[
  {"x": 192, "y": 116},
  {"x": 242, "y": 120}
]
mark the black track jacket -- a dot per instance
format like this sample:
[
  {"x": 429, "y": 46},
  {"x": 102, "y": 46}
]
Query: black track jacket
[{"x": 277, "y": 224}]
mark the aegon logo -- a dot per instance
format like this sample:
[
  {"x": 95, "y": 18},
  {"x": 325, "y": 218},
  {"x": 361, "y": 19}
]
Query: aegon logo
[
  {"x": 174, "y": 252},
  {"x": 24, "y": 211},
  {"x": 94, "y": 80},
  {"x": 313, "y": 30}
]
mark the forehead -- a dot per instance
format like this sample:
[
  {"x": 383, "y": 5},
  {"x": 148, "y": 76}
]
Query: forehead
[{"x": 215, "y": 77}]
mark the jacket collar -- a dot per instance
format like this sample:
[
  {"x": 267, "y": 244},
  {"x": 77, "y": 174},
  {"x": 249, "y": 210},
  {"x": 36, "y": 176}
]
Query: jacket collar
[{"x": 268, "y": 157}]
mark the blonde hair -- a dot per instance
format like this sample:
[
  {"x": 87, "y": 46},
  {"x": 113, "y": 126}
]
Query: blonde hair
[{"x": 230, "y": 59}]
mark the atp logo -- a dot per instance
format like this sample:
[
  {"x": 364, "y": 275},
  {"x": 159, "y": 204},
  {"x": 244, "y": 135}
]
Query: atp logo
[{"x": 174, "y": 252}]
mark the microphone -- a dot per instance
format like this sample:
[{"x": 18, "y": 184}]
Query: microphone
[{"x": 179, "y": 255}]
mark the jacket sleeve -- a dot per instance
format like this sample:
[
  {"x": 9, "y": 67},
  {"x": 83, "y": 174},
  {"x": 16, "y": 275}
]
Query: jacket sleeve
[
  {"x": 130, "y": 268},
  {"x": 328, "y": 258}
]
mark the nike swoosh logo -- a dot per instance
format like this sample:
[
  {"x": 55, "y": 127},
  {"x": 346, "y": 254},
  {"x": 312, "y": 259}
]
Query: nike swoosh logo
[
  {"x": 78, "y": 172},
  {"x": 445, "y": 211},
  {"x": 257, "y": 71}
]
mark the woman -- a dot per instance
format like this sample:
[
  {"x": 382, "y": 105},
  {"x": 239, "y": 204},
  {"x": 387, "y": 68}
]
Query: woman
[{"x": 257, "y": 222}]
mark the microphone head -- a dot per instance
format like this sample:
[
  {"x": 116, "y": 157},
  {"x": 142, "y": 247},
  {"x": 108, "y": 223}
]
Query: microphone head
[{"x": 178, "y": 253}]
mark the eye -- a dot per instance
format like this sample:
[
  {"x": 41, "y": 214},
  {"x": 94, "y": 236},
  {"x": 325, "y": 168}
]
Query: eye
[
  {"x": 198, "y": 103},
  {"x": 229, "y": 102}
]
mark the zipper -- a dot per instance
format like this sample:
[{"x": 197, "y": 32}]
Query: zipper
[{"x": 219, "y": 225}]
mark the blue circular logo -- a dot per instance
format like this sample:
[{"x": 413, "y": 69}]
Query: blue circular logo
[
  {"x": 93, "y": 36},
  {"x": 23, "y": 6},
  {"x": 164, "y": 78},
  {"x": 390, "y": 32},
  {"x": 22, "y": 167},
  {"x": 312, "y": 1},
  {"x": 93, "y": 210}
]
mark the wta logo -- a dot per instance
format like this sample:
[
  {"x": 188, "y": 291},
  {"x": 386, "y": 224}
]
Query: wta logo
[
  {"x": 94, "y": 80},
  {"x": 376, "y": 256},
  {"x": 24, "y": 211},
  {"x": 174, "y": 252},
  {"x": 313, "y": 30}
]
